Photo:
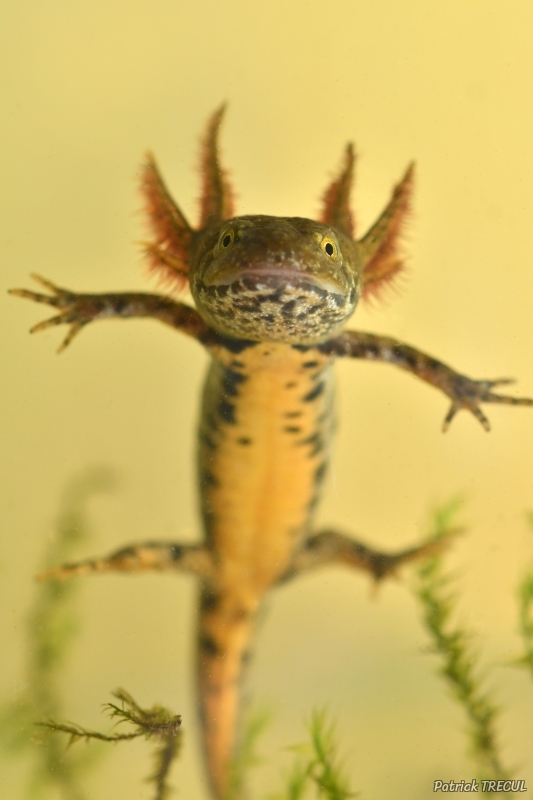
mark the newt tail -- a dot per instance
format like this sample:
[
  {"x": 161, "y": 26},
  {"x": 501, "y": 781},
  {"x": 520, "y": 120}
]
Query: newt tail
[{"x": 272, "y": 295}]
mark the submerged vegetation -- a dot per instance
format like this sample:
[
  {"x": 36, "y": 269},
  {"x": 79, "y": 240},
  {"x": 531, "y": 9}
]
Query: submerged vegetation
[
  {"x": 525, "y": 613},
  {"x": 317, "y": 765},
  {"x": 28, "y": 723},
  {"x": 458, "y": 659},
  {"x": 51, "y": 626},
  {"x": 246, "y": 756},
  {"x": 155, "y": 723}
]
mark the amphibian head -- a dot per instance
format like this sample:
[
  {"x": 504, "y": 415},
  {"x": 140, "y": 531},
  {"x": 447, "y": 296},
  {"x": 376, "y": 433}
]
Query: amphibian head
[
  {"x": 279, "y": 279},
  {"x": 282, "y": 279}
]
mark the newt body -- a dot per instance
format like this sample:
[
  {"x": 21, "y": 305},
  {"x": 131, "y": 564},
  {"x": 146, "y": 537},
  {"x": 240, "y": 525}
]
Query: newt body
[
  {"x": 271, "y": 297},
  {"x": 264, "y": 434}
]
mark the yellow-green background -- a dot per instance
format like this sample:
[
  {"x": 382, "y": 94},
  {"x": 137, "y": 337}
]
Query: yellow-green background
[{"x": 87, "y": 87}]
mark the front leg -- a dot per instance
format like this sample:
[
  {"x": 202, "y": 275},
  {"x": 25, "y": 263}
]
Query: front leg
[
  {"x": 158, "y": 556},
  {"x": 77, "y": 310},
  {"x": 463, "y": 392}
]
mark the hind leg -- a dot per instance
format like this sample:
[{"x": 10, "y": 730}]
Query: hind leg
[
  {"x": 331, "y": 547},
  {"x": 156, "y": 556}
]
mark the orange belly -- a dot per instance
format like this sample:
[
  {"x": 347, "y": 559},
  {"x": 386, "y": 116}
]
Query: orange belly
[
  {"x": 264, "y": 435},
  {"x": 264, "y": 439}
]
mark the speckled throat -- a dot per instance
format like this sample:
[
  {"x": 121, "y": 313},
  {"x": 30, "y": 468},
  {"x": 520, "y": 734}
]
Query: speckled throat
[{"x": 260, "y": 309}]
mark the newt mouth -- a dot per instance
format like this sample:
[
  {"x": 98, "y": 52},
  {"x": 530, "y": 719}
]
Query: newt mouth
[
  {"x": 272, "y": 304},
  {"x": 269, "y": 278}
]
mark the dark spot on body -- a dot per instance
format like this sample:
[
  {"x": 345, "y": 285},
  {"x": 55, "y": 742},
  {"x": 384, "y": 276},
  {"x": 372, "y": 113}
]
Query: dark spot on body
[
  {"x": 316, "y": 441},
  {"x": 311, "y": 506},
  {"x": 244, "y": 440},
  {"x": 320, "y": 472},
  {"x": 211, "y": 422},
  {"x": 235, "y": 345},
  {"x": 226, "y": 411},
  {"x": 291, "y": 385},
  {"x": 209, "y": 479},
  {"x": 237, "y": 364},
  {"x": 293, "y": 414},
  {"x": 270, "y": 297},
  {"x": 407, "y": 358},
  {"x": 314, "y": 393},
  {"x": 231, "y": 381},
  {"x": 302, "y": 348},
  {"x": 313, "y": 543},
  {"x": 245, "y": 308},
  {"x": 176, "y": 552},
  {"x": 268, "y": 318},
  {"x": 288, "y": 308},
  {"x": 207, "y": 441},
  {"x": 292, "y": 429},
  {"x": 210, "y": 647},
  {"x": 224, "y": 313},
  {"x": 317, "y": 448},
  {"x": 209, "y": 601},
  {"x": 310, "y": 364}
]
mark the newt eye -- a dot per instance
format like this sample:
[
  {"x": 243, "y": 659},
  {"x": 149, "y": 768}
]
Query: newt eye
[
  {"x": 227, "y": 237},
  {"x": 330, "y": 247}
]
